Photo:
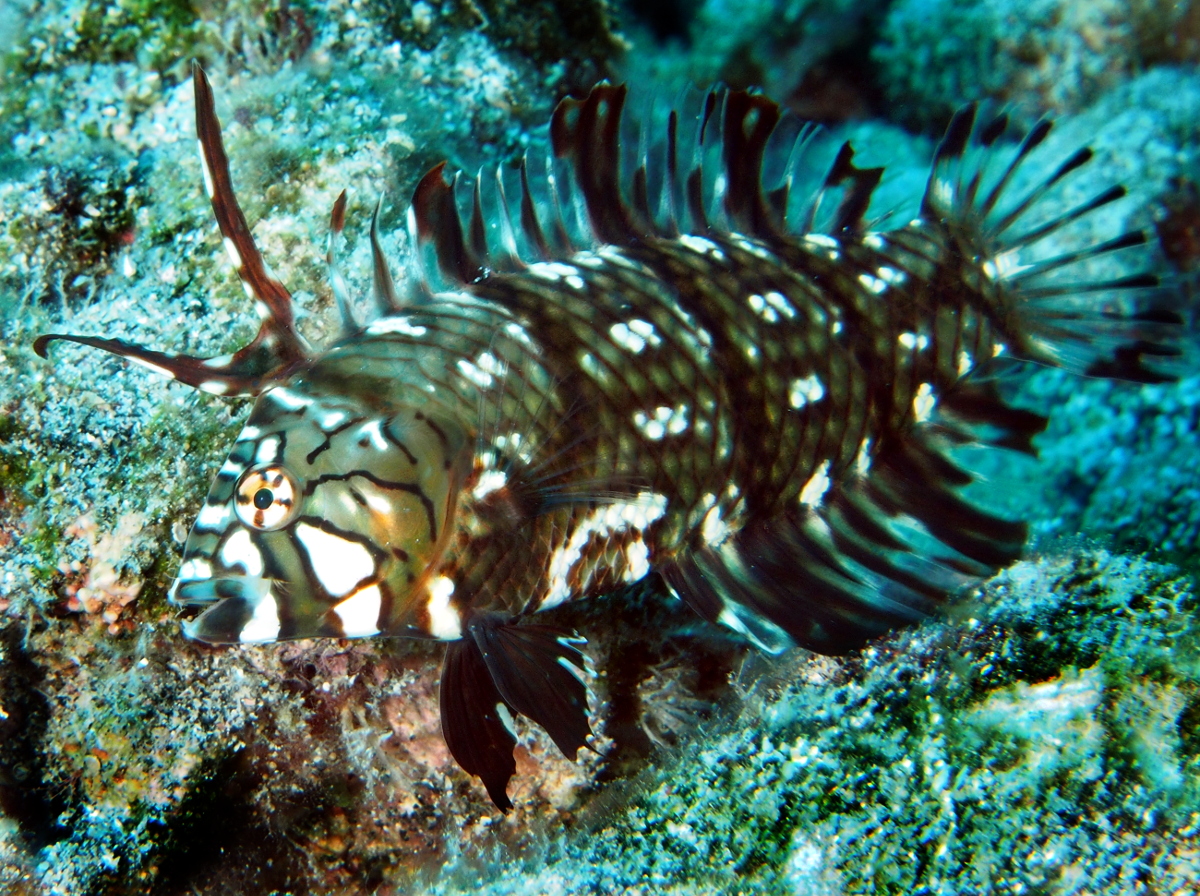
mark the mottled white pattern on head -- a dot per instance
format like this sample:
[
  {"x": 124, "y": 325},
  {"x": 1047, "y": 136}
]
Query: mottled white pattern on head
[
  {"x": 287, "y": 399},
  {"x": 239, "y": 550},
  {"x": 213, "y": 517},
  {"x": 373, "y": 430},
  {"x": 194, "y": 570},
  {"x": 268, "y": 450},
  {"x": 338, "y": 563},
  {"x": 359, "y": 612},
  {"x": 263, "y": 625}
]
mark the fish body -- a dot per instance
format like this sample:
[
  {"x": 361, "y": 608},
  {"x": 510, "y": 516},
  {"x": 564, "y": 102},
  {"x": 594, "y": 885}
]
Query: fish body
[{"x": 669, "y": 375}]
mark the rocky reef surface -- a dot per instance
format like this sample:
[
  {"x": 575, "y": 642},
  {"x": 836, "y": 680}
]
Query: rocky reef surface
[{"x": 1044, "y": 739}]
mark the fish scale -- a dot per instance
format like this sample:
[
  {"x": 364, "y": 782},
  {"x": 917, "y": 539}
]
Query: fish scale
[{"x": 671, "y": 375}]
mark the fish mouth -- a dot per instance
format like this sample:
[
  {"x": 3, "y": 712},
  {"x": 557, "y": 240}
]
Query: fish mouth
[
  {"x": 202, "y": 592},
  {"x": 237, "y": 609}
]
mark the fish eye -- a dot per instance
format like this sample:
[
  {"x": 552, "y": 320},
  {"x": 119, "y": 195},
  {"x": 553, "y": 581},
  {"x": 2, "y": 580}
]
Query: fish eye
[{"x": 267, "y": 497}]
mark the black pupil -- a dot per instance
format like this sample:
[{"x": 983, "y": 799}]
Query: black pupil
[{"x": 263, "y": 498}]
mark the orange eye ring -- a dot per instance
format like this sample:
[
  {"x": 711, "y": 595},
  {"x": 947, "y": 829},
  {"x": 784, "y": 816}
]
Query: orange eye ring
[{"x": 267, "y": 497}]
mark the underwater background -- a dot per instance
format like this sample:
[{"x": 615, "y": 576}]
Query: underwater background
[{"x": 1044, "y": 739}]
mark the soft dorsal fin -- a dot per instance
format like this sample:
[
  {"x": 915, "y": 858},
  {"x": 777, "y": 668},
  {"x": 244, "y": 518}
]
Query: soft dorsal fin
[
  {"x": 725, "y": 161},
  {"x": 277, "y": 350},
  {"x": 874, "y": 548}
]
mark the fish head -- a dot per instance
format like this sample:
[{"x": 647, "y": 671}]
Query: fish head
[{"x": 327, "y": 519}]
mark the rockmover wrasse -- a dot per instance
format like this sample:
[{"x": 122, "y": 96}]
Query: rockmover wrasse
[{"x": 680, "y": 356}]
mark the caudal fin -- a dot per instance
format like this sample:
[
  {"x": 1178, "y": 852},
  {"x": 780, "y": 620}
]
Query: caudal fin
[{"x": 1095, "y": 306}]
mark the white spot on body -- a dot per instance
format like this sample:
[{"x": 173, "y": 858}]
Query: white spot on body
[
  {"x": 919, "y": 341},
  {"x": 401, "y": 325},
  {"x": 635, "y": 335},
  {"x": 759, "y": 306},
  {"x": 474, "y": 374},
  {"x": 779, "y": 302},
  {"x": 240, "y": 550},
  {"x": 662, "y": 421},
  {"x": 593, "y": 368},
  {"x": 923, "y": 402},
  {"x": 620, "y": 516},
  {"x": 873, "y": 241},
  {"x": 214, "y": 387},
  {"x": 702, "y": 246},
  {"x": 818, "y": 484},
  {"x": 552, "y": 271},
  {"x": 489, "y": 481},
  {"x": 588, "y": 260},
  {"x": 359, "y": 612},
  {"x": 713, "y": 529},
  {"x": 965, "y": 363},
  {"x": 637, "y": 560},
  {"x": 445, "y": 622},
  {"x": 518, "y": 332},
  {"x": 825, "y": 242},
  {"x": 862, "y": 460},
  {"x": 805, "y": 391},
  {"x": 873, "y": 285},
  {"x": 753, "y": 248},
  {"x": 339, "y": 564}
]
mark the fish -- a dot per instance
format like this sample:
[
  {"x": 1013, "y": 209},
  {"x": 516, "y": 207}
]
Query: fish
[{"x": 677, "y": 356}]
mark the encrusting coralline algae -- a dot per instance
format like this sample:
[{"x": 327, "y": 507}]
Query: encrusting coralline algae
[{"x": 328, "y": 757}]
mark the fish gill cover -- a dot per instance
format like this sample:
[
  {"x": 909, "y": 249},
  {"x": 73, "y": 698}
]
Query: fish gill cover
[{"x": 1059, "y": 706}]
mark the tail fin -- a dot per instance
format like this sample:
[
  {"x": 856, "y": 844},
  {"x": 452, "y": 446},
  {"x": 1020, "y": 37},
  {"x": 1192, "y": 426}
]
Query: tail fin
[{"x": 1093, "y": 307}]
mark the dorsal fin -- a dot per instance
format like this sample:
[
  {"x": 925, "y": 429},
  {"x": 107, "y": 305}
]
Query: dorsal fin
[
  {"x": 277, "y": 350},
  {"x": 719, "y": 161},
  {"x": 588, "y": 133}
]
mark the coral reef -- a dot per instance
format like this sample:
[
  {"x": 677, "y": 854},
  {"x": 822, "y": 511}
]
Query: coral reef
[{"x": 1043, "y": 741}]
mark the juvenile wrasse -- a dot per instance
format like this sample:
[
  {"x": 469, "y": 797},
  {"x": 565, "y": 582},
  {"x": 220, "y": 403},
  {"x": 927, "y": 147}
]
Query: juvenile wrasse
[{"x": 643, "y": 365}]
